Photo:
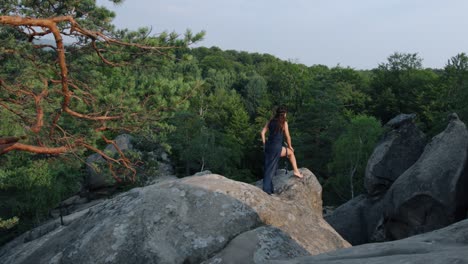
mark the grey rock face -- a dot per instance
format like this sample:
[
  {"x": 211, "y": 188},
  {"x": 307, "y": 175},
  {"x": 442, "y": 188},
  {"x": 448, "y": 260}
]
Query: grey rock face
[
  {"x": 201, "y": 173},
  {"x": 259, "y": 246},
  {"x": 357, "y": 219},
  {"x": 445, "y": 246},
  {"x": 430, "y": 194},
  {"x": 185, "y": 221},
  {"x": 157, "y": 167},
  {"x": 400, "y": 147},
  {"x": 433, "y": 192},
  {"x": 97, "y": 178},
  {"x": 306, "y": 192},
  {"x": 400, "y": 120},
  {"x": 296, "y": 208},
  {"x": 170, "y": 224},
  {"x": 348, "y": 220},
  {"x": 154, "y": 163},
  {"x": 73, "y": 204}
]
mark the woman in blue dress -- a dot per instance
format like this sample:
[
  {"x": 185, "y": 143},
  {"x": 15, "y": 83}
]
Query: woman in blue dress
[{"x": 278, "y": 127}]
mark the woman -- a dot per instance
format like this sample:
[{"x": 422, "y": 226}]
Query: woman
[{"x": 278, "y": 126}]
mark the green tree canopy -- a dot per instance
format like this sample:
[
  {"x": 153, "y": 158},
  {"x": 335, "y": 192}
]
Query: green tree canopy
[
  {"x": 350, "y": 154},
  {"x": 401, "y": 86},
  {"x": 46, "y": 93}
]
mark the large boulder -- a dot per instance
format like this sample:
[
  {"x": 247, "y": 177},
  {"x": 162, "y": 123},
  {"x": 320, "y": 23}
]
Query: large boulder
[
  {"x": 357, "y": 219},
  {"x": 399, "y": 148},
  {"x": 282, "y": 180},
  {"x": 187, "y": 221},
  {"x": 296, "y": 208},
  {"x": 98, "y": 174},
  {"x": 433, "y": 192},
  {"x": 153, "y": 162},
  {"x": 445, "y": 246},
  {"x": 259, "y": 246},
  {"x": 402, "y": 144}
]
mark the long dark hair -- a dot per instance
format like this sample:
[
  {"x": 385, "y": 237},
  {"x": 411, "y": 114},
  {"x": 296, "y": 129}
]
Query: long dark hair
[{"x": 280, "y": 117}]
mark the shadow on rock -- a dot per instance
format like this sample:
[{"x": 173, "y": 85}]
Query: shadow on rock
[{"x": 195, "y": 219}]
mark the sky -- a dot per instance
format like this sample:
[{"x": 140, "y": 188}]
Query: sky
[{"x": 359, "y": 34}]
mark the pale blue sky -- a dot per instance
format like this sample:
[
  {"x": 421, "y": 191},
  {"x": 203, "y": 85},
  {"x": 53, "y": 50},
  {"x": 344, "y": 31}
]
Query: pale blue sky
[{"x": 356, "y": 33}]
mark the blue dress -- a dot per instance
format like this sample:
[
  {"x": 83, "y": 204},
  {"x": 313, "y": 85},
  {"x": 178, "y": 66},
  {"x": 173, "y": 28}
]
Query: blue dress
[{"x": 273, "y": 148}]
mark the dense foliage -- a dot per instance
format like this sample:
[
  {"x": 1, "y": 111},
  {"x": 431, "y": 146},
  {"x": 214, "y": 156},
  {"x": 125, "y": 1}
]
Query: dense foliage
[{"x": 206, "y": 107}]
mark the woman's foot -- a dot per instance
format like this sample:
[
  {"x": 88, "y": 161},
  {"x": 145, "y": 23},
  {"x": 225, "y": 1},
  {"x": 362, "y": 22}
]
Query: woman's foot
[{"x": 298, "y": 175}]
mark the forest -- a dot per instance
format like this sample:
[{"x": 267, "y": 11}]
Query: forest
[{"x": 65, "y": 99}]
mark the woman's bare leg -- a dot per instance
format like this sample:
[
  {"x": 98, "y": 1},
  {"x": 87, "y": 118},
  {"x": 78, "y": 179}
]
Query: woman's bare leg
[{"x": 292, "y": 159}]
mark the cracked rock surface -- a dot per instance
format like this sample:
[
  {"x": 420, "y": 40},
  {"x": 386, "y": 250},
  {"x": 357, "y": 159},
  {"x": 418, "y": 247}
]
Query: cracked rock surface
[{"x": 189, "y": 220}]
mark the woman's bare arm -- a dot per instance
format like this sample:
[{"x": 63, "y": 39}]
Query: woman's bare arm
[
  {"x": 288, "y": 137},
  {"x": 263, "y": 132}
]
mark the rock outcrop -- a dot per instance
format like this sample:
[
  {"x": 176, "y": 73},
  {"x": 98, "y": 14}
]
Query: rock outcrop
[
  {"x": 430, "y": 194},
  {"x": 296, "y": 208},
  {"x": 399, "y": 148},
  {"x": 444, "y": 246},
  {"x": 401, "y": 145},
  {"x": 258, "y": 246},
  {"x": 191, "y": 220},
  {"x": 357, "y": 219},
  {"x": 98, "y": 177},
  {"x": 153, "y": 163},
  {"x": 433, "y": 192}
]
